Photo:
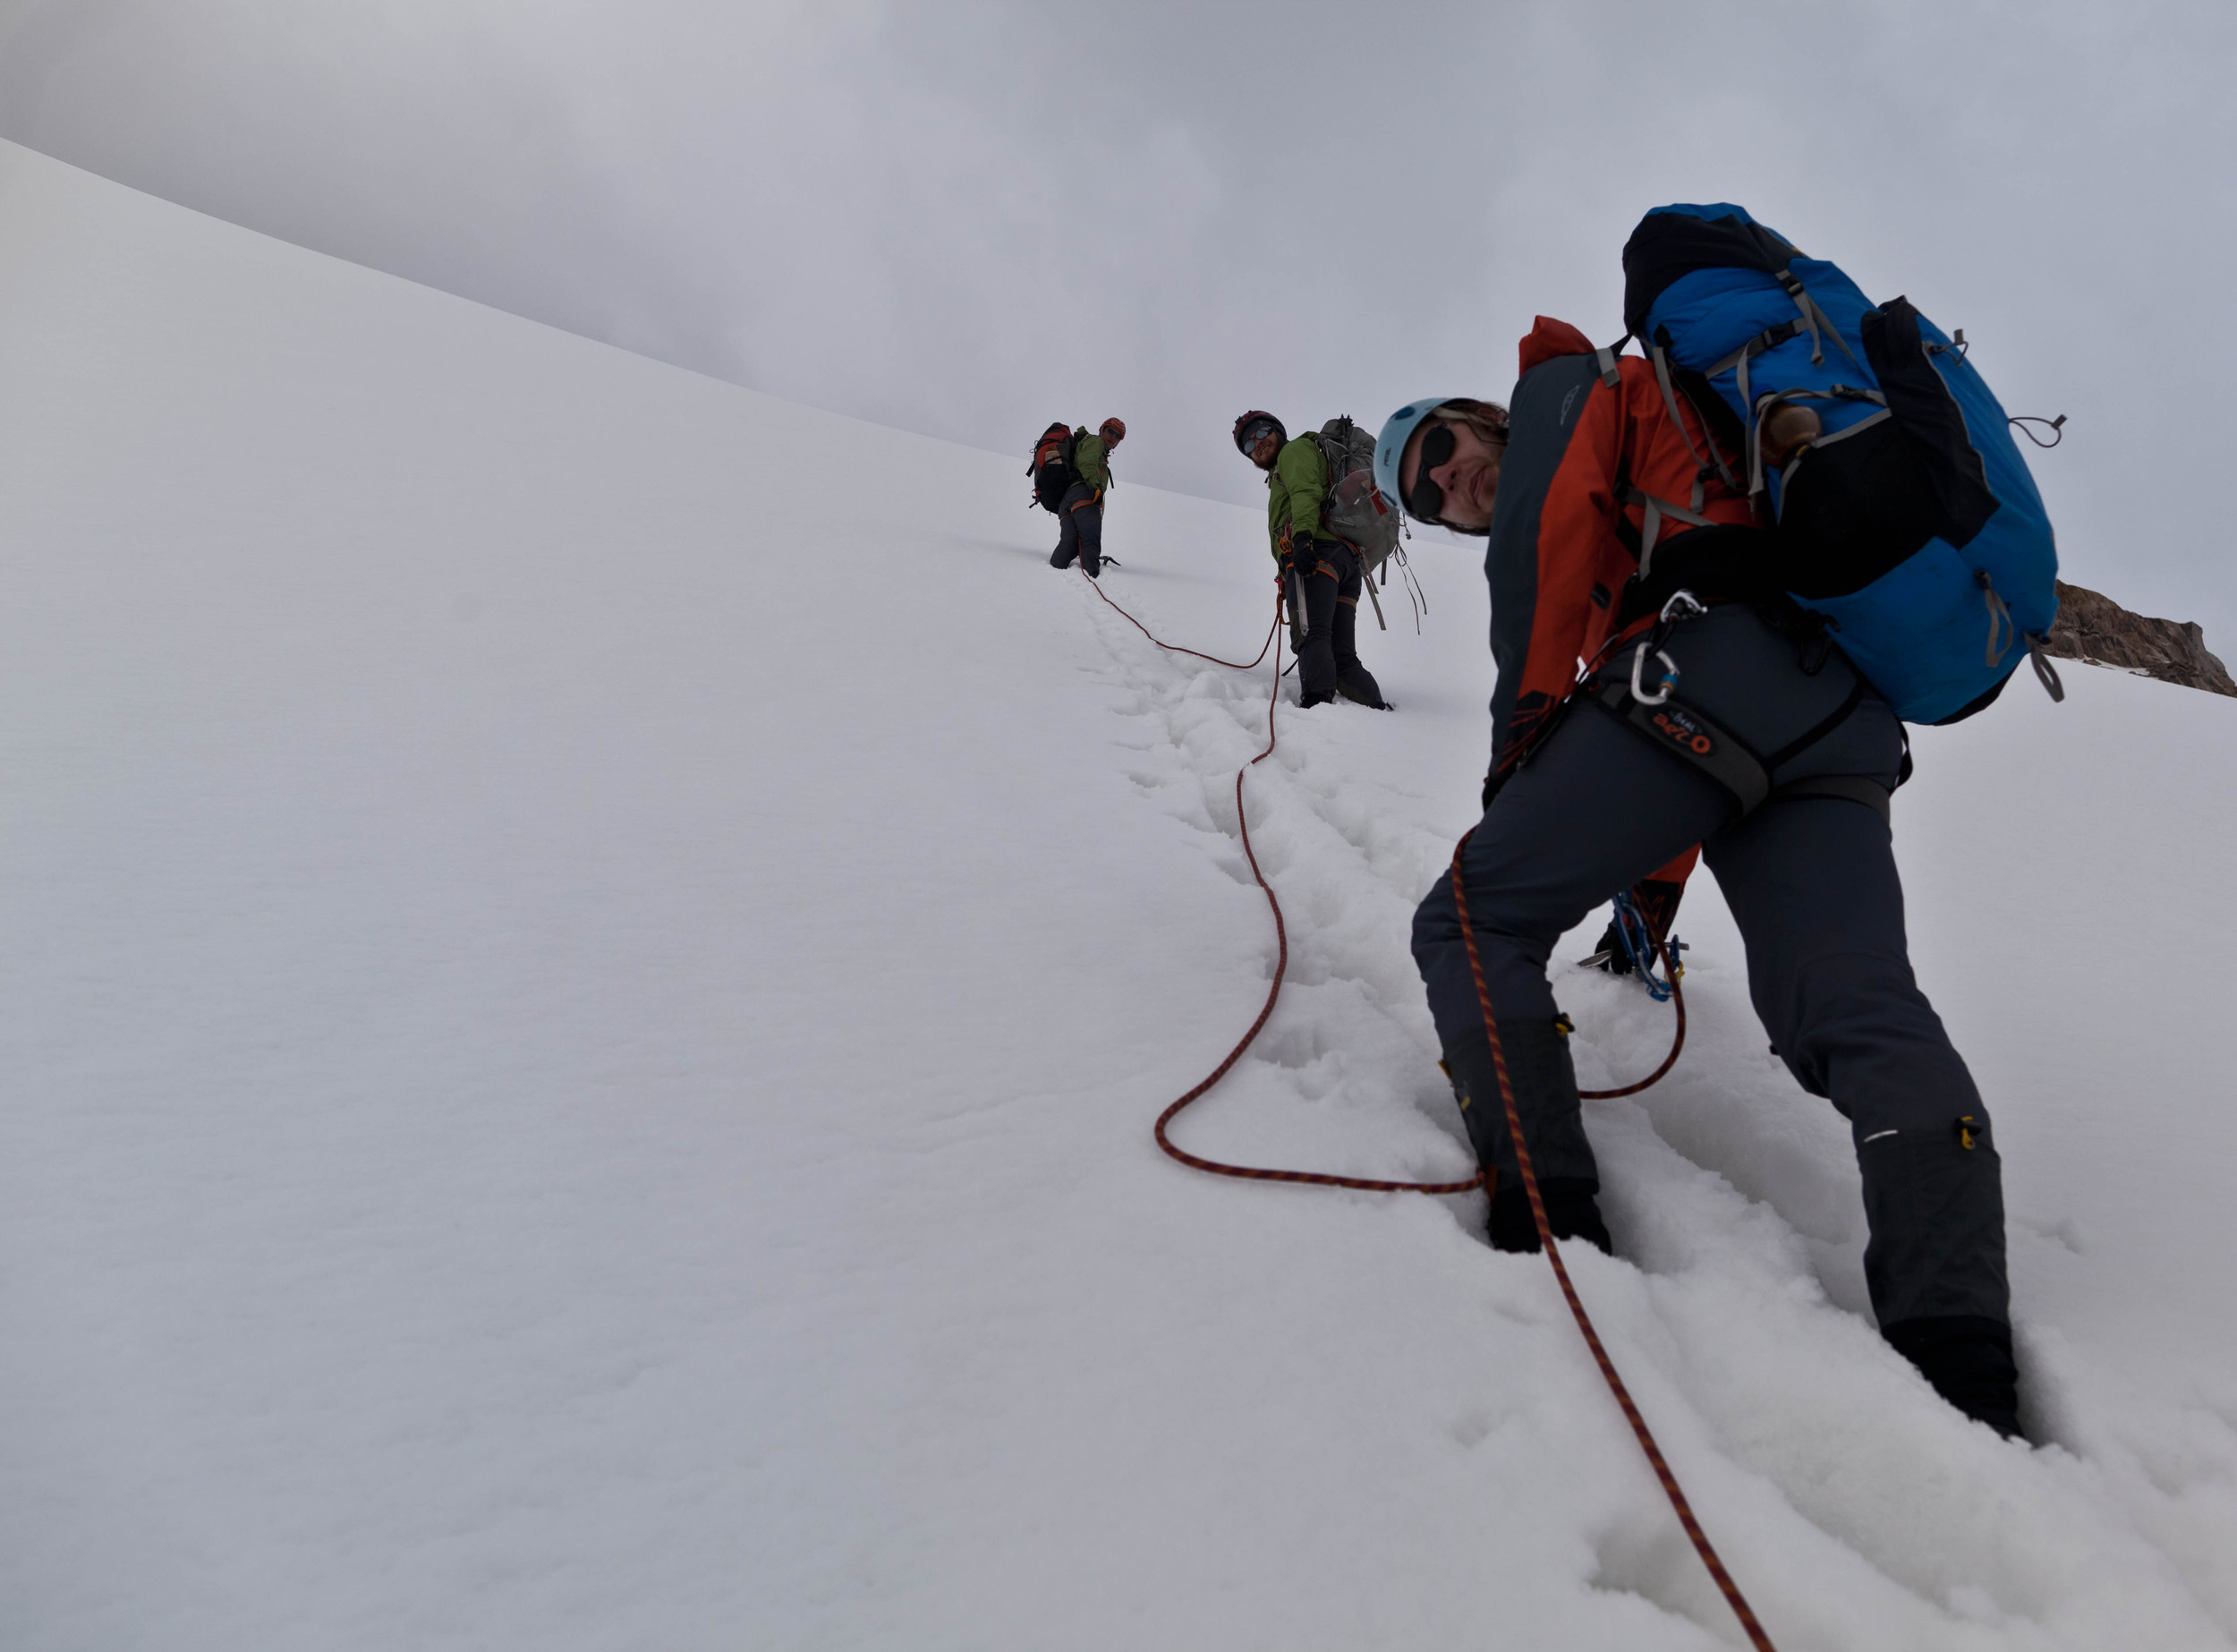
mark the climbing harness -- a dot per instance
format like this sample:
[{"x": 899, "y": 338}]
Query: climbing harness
[
  {"x": 1689, "y": 732},
  {"x": 1484, "y": 1177}
]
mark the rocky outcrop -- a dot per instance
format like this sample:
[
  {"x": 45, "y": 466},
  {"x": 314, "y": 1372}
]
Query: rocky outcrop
[{"x": 2095, "y": 627}]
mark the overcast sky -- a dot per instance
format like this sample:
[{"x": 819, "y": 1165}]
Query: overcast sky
[{"x": 969, "y": 219}]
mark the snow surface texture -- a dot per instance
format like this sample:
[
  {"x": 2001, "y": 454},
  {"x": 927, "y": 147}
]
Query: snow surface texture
[{"x": 590, "y": 956}]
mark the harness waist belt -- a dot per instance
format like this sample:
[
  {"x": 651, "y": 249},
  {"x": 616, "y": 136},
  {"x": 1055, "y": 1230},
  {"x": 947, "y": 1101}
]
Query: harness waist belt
[
  {"x": 1702, "y": 741},
  {"x": 1693, "y": 735}
]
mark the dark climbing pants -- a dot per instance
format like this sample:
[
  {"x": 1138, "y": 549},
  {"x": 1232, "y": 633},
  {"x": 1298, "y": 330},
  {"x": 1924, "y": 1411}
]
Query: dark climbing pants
[
  {"x": 1812, "y": 884},
  {"x": 1080, "y": 529},
  {"x": 1328, "y": 659}
]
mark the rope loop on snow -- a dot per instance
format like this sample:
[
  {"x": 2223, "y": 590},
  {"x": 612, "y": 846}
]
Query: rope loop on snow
[
  {"x": 1171, "y": 648},
  {"x": 1246, "y": 1172},
  {"x": 1676, "y": 994}
]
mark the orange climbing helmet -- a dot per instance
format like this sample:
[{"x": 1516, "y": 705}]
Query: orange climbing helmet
[{"x": 1112, "y": 431}]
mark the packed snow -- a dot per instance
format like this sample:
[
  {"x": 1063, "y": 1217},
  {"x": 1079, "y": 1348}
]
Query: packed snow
[{"x": 589, "y": 958}]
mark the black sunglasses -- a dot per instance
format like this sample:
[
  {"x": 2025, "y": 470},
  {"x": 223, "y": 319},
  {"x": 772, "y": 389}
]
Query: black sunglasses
[
  {"x": 1256, "y": 431},
  {"x": 1428, "y": 498}
]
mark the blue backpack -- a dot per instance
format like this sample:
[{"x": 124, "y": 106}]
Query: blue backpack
[{"x": 1905, "y": 515}]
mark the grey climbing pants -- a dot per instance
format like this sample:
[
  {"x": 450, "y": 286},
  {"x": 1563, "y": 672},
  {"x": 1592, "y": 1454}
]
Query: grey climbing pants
[
  {"x": 1812, "y": 884},
  {"x": 1328, "y": 655},
  {"x": 1080, "y": 529}
]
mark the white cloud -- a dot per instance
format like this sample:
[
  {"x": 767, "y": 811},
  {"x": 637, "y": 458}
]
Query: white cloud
[{"x": 970, "y": 218}]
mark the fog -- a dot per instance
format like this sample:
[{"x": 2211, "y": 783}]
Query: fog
[{"x": 969, "y": 219}]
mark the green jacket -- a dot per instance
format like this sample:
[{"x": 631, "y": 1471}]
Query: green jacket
[
  {"x": 1297, "y": 489},
  {"x": 1091, "y": 459}
]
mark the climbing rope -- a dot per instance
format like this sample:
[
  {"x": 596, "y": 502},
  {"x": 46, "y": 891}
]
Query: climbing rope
[
  {"x": 1646, "y": 1436},
  {"x": 1322, "y": 1179},
  {"x": 1481, "y": 1179},
  {"x": 1677, "y": 1041},
  {"x": 1170, "y": 647},
  {"x": 1246, "y": 1172}
]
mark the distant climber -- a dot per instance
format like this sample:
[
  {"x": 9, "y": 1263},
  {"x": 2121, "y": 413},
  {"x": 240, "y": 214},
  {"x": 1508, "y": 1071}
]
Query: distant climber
[
  {"x": 1071, "y": 472},
  {"x": 1774, "y": 754},
  {"x": 1321, "y": 572}
]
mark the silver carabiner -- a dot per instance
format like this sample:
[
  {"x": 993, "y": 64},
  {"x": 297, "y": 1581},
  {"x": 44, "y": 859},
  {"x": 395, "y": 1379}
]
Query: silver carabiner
[
  {"x": 1682, "y": 605},
  {"x": 1638, "y": 667}
]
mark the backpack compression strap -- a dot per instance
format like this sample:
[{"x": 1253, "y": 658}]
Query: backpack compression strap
[{"x": 1651, "y": 530}]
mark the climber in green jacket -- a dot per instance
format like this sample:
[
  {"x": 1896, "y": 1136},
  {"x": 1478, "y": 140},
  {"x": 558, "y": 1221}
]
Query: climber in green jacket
[
  {"x": 1080, "y": 511},
  {"x": 1321, "y": 572}
]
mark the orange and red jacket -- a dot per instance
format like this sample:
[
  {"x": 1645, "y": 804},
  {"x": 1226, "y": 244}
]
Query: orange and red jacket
[{"x": 1564, "y": 543}]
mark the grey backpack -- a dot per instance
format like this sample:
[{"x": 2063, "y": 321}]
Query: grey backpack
[{"x": 1354, "y": 511}]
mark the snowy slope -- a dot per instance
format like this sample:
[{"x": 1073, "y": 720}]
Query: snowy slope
[{"x": 588, "y": 960}]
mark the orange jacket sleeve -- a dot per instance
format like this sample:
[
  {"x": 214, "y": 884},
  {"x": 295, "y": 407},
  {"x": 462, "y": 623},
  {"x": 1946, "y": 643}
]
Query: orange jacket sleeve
[{"x": 1564, "y": 542}]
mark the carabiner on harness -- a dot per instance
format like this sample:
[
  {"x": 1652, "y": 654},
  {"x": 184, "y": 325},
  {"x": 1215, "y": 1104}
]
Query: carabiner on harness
[
  {"x": 1669, "y": 685},
  {"x": 1682, "y": 605}
]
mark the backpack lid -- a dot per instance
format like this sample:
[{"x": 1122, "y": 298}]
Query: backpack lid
[
  {"x": 1675, "y": 241},
  {"x": 1054, "y": 447}
]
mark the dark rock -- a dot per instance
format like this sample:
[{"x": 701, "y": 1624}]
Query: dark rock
[{"x": 2095, "y": 627}]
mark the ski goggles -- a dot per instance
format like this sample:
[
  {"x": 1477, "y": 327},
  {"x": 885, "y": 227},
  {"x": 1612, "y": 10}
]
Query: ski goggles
[{"x": 1437, "y": 442}]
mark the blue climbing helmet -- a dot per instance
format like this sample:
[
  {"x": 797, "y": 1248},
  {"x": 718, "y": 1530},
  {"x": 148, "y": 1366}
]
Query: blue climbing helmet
[
  {"x": 1397, "y": 429},
  {"x": 1486, "y": 417}
]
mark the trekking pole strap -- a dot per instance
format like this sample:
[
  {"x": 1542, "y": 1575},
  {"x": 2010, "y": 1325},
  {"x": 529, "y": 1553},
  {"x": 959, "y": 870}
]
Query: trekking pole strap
[{"x": 2045, "y": 672}]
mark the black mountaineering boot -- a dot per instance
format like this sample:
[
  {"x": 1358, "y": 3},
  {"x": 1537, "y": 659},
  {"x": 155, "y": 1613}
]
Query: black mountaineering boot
[
  {"x": 1609, "y": 951},
  {"x": 1967, "y": 1359},
  {"x": 1553, "y": 1126},
  {"x": 1356, "y": 684},
  {"x": 1572, "y": 1210}
]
